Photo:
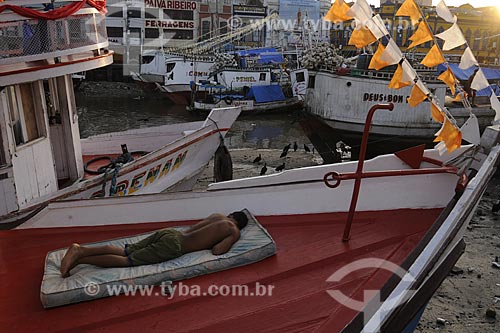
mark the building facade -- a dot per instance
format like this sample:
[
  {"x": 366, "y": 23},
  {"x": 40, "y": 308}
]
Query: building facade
[{"x": 479, "y": 25}]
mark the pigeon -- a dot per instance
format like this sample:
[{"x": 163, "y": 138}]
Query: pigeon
[
  {"x": 257, "y": 159},
  {"x": 306, "y": 148},
  {"x": 295, "y": 146},
  {"x": 286, "y": 148},
  {"x": 280, "y": 167},
  {"x": 263, "y": 170}
]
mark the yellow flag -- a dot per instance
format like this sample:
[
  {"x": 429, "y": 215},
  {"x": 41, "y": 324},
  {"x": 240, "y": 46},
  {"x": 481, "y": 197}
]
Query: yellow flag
[
  {"x": 417, "y": 96},
  {"x": 437, "y": 114},
  {"x": 376, "y": 63},
  {"x": 451, "y": 136},
  {"x": 337, "y": 12},
  {"x": 422, "y": 35},
  {"x": 361, "y": 38},
  {"x": 397, "y": 79},
  {"x": 409, "y": 8},
  {"x": 434, "y": 57},
  {"x": 449, "y": 78}
]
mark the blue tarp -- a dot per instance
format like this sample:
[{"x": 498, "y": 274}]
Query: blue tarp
[
  {"x": 265, "y": 55},
  {"x": 463, "y": 75},
  {"x": 487, "y": 91},
  {"x": 265, "y": 94}
]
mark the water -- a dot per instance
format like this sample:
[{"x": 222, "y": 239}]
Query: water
[{"x": 104, "y": 115}]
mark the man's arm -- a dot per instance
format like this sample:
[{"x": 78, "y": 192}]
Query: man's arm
[
  {"x": 208, "y": 220},
  {"x": 225, "y": 245}
]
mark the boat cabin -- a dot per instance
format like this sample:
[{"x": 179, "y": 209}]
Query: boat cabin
[{"x": 40, "y": 49}]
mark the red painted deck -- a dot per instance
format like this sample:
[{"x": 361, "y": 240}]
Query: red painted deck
[{"x": 309, "y": 251}]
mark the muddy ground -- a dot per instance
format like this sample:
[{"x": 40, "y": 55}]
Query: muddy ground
[{"x": 461, "y": 302}]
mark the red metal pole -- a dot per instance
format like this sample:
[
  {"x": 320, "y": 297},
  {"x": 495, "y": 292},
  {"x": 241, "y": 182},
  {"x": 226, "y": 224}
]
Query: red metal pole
[{"x": 359, "y": 170}]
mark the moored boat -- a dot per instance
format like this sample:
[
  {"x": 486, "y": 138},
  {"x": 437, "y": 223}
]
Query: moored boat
[
  {"x": 41, "y": 154},
  {"x": 411, "y": 212}
]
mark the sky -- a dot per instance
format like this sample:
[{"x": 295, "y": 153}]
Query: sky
[{"x": 455, "y": 3}]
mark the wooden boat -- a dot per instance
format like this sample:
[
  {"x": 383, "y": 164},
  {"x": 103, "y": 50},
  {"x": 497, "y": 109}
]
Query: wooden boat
[
  {"x": 41, "y": 155},
  {"x": 360, "y": 220}
]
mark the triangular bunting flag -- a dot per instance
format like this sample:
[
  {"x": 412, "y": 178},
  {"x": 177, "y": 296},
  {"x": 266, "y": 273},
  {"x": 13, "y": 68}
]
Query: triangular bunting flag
[
  {"x": 417, "y": 96},
  {"x": 444, "y": 12},
  {"x": 495, "y": 105},
  {"x": 468, "y": 59},
  {"x": 422, "y": 35},
  {"x": 409, "y": 8},
  {"x": 437, "y": 114},
  {"x": 470, "y": 130},
  {"x": 338, "y": 12},
  {"x": 434, "y": 57},
  {"x": 480, "y": 82},
  {"x": 452, "y": 37},
  {"x": 449, "y": 78},
  {"x": 377, "y": 27},
  {"x": 361, "y": 10},
  {"x": 397, "y": 79},
  {"x": 376, "y": 63},
  {"x": 450, "y": 135},
  {"x": 392, "y": 54},
  {"x": 361, "y": 38},
  {"x": 412, "y": 156},
  {"x": 409, "y": 73}
]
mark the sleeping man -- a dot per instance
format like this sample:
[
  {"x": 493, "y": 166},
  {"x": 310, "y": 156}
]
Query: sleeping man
[{"x": 216, "y": 232}]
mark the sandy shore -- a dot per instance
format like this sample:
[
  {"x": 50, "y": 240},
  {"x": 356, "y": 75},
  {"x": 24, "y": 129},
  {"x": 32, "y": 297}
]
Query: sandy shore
[{"x": 468, "y": 292}]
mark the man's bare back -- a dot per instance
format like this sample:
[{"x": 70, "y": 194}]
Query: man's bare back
[{"x": 216, "y": 232}]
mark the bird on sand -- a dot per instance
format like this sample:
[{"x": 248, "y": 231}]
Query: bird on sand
[
  {"x": 306, "y": 148},
  {"x": 295, "y": 146},
  {"x": 285, "y": 150},
  {"x": 263, "y": 170},
  {"x": 280, "y": 167},
  {"x": 257, "y": 159}
]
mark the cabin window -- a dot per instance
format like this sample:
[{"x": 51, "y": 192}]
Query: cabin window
[
  {"x": 23, "y": 102},
  {"x": 170, "y": 66},
  {"x": 300, "y": 77},
  {"x": 262, "y": 77}
]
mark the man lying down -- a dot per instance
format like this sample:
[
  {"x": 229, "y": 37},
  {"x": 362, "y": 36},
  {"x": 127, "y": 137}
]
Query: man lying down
[{"x": 216, "y": 232}]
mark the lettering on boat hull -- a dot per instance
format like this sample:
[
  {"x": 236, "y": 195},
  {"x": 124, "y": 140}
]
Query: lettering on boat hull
[{"x": 137, "y": 181}]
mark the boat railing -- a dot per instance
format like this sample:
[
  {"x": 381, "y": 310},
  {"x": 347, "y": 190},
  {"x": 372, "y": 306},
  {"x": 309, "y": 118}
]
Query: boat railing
[
  {"x": 427, "y": 76},
  {"x": 28, "y": 39}
]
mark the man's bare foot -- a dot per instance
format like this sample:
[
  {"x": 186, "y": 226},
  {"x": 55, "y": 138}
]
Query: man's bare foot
[{"x": 69, "y": 260}]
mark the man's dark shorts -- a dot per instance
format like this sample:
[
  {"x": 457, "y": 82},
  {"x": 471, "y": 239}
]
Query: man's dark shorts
[{"x": 161, "y": 246}]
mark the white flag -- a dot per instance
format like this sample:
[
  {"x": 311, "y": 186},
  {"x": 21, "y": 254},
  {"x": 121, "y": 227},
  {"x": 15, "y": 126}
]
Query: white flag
[
  {"x": 480, "y": 81},
  {"x": 444, "y": 12},
  {"x": 408, "y": 72},
  {"x": 392, "y": 54},
  {"x": 421, "y": 85},
  {"x": 468, "y": 59},
  {"x": 377, "y": 27},
  {"x": 362, "y": 11},
  {"x": 453, "y": 37},
  {"x": 495, "y": 104},
  {"x": 470, "y": 130}
]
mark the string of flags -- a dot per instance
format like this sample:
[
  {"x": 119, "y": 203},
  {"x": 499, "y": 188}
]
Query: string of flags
[{"x": 369, "y": 28}]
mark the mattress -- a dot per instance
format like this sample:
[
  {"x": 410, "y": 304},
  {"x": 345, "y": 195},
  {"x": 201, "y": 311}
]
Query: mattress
[{"x": 88, "y": 282}]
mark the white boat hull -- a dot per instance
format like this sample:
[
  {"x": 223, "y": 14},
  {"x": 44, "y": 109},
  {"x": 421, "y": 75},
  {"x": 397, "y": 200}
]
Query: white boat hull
[
  {"x": 342, "y": 102},
  {"x": 250, "y": 106},
  {"x": 299, "y": 191}
]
